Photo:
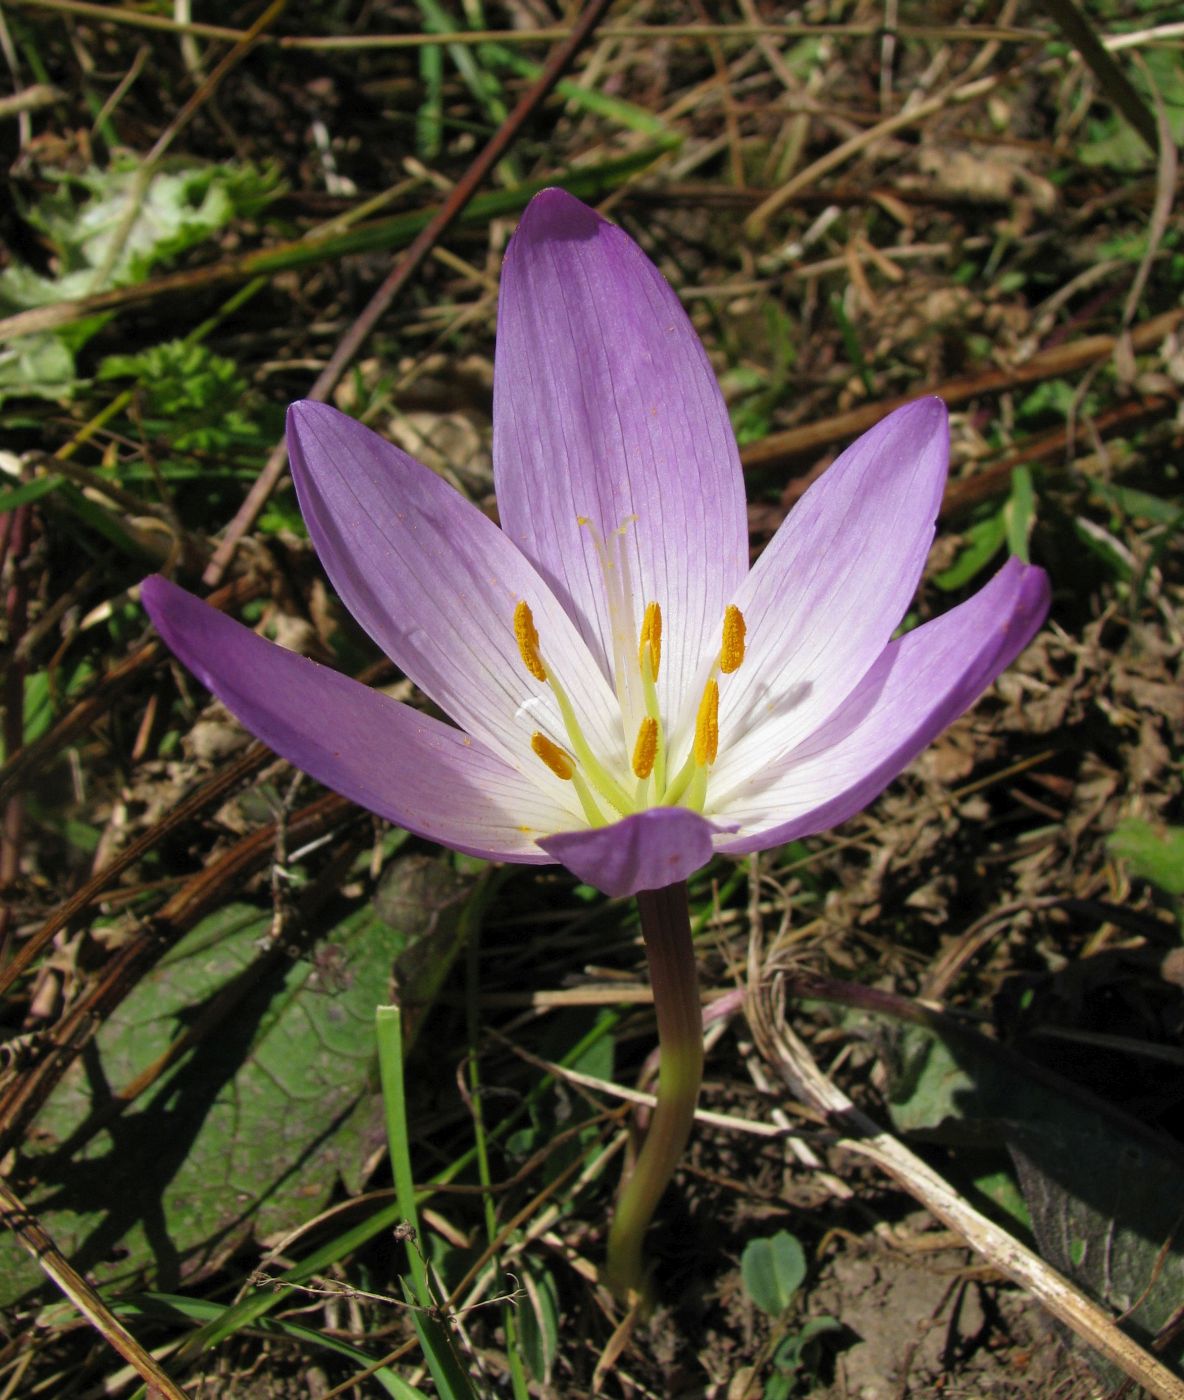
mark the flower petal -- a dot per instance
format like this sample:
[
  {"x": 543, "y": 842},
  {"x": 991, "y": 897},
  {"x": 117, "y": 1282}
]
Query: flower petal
[
  {"x": 605, "y": 407},
  {"x": 647, "y": 851},
  {"x": 414, "y": 770},
  {"x": 921, "y": 683},
  {"x": 435, "y": 583},
  {"x": 826, "y": 595}
]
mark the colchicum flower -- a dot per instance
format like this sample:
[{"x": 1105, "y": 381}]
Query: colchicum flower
[{"x": 628, "y": 696}]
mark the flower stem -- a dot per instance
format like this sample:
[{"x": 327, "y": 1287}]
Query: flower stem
[{"x": 666, "y": 924}]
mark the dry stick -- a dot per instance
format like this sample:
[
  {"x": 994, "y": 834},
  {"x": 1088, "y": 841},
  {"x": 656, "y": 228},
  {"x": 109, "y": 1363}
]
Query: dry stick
[
  {"x": 991, "y": 478},
  {"x": 755, "y": 224},
  {"x": 449, "y": 211},
  {"x": 30, "y": 99},
  {"x": 1113, "y": 81},
  {"x": 863, "y": 1136},
  {"x": 17, "y": 534},
  {"x": 779, "y": 448},
  {"x": 995, "y": 476},
  {"x": 25, "y": 762},
  {"x": 147, "y": 167},
  {"x": 217, "y": 789},
  {"x": 200, "y": 895},
  {"x": 547, "y": 34},
  {"x": 34, "y": 1237}
]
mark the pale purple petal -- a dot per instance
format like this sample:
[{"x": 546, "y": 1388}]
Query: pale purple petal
[
  {"x": 646, "y": 851},
  {"x": 826, "y": 595},
  {"x": 919, "y": 686},
  {"x": 606, "y": 407},
  {"x": 435, "y": 583},
  {"x": 414, "y": 770}
]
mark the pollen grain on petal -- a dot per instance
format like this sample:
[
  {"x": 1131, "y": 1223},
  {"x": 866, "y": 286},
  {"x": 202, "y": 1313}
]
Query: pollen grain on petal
[
  {"x": 707, "y": 725},
  {"x": 645, "y": 750},
  {"x": 558, "y": 760},
  {"x": 651, "y": 639},
  {"x": 528, "y": 641},
  {"x": 731, "y": 653}
]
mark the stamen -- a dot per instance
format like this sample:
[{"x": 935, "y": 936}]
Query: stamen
[
  {"x": 558, "y": 760},
  {"x": 707, "y": 725},
  {"x": 731, "y": 653},
  {"x": 645, "y": 750},
  {"x": 651, "y": 640},
  {"x": 528, "y": 641}
]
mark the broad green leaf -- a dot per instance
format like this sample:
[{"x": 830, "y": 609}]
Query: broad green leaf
[
  {"x": 246, "y": 1134},
  {"x": 1103, "y": 1192},
  {"x": 773, "y": 1270}
]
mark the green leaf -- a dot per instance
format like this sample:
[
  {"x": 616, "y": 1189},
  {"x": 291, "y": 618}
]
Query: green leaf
[
  {"x": 1020, "y": 512},
  {"x": 1153, "y": 851},
  {"x": 109, "y": 228},
  {"x": 247, "y": 1133},
  {"x": 538, "y": 1322},
  {"x": 1076, "y": 1158},
  {"x": 1114, "y": 142},
  {"x": 773, "y": 1270},
  {"x": 1139, "y": 504},
  {"x": 983, "y": 541},
  {"x": 29, "y": 491},
  {"x": 791, "y": 1354},
  {"x": 172, "y": 1307},
  {"x": 36, "y": 367}
]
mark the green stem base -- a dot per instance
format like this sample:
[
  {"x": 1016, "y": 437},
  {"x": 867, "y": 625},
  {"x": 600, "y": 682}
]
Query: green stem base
[{"x": 666, "y": 924}]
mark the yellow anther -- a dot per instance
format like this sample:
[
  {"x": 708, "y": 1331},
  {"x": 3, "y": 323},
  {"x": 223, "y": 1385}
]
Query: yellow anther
[
  {"x": 707, "y": 725},
  {"x": 645, "y": 750},
  {"x": 651, "y": 640},
  {"x": 528, "y": 644},
  {"x": 731, "y": 653},
  {"x": 558, "y": 760}
]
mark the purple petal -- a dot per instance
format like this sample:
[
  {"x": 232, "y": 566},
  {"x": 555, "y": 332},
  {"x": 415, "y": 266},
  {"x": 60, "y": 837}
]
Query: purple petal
[
  {"x": 920, "y": 684},
  {"x": 828, "y": 592},
  {"x": 414, "y": 770},
  {"x": 605, "y": 407},
  {"x": 435, "y": 583},
  {"x": 651, "y": 849}
]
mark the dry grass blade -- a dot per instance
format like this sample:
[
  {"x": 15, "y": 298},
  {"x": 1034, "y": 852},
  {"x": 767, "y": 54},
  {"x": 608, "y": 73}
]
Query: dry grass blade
[
  {"x": 196, "y": 897},
  {"x": 793, "y": 1061},
  {"x": 779, "y": 448},
  {"x": 33, "y": 1236},
  {"x": 449, "y": 212}
]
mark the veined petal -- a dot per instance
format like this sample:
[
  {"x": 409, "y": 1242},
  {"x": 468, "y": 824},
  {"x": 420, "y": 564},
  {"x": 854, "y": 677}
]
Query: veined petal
[
  {"x": 605, "y": 407},
  {"x": 435, "y": 584},
  {"x": 826, "y": 595},
  {"x": 921, "y": 684},
  {"x": 414, "y": 770},
  {"x": 646, "y": 851}
]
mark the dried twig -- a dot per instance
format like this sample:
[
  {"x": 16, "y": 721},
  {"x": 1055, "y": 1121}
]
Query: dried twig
[
  {"x": 779, "y": 448},
  {"x": 862, "y": 1136},
  {"x": 34, "y": 1237},
  {"x": 462, "y": 192}
]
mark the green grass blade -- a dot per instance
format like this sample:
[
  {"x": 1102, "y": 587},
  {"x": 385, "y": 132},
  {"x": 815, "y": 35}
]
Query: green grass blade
[{"x": 438, "y": 1350}]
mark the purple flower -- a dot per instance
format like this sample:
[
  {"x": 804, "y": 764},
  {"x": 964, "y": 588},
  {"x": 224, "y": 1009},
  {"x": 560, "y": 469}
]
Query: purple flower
[{"x": 627, "y": 696}]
